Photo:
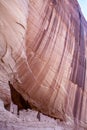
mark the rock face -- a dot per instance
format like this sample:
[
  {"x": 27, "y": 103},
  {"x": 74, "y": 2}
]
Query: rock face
[{"x": 43, "y": 55}]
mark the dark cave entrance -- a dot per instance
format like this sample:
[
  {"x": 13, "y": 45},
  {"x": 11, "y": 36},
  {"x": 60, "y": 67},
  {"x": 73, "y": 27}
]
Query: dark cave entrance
[{"x": 18, "y": 100}]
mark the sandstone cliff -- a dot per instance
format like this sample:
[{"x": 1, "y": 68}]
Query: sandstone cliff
[{"x": 43, "y": 52}]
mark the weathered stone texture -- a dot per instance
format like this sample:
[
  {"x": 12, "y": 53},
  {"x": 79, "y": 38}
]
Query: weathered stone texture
[{"x": 43, "y": 53}]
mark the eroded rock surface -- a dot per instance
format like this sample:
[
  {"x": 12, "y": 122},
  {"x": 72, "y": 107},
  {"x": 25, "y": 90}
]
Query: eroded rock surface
[
  {"x": 28, "y": 120},
  {"x": 43, "y": 53}
]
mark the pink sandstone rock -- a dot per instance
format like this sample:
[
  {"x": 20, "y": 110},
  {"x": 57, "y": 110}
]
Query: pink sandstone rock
[{"x": 43, "y": 55}]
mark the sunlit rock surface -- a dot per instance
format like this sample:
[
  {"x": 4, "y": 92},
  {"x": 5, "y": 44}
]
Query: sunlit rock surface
[
  {"x": 43, "y": 55},
  {"x": 27, "y": 120}
]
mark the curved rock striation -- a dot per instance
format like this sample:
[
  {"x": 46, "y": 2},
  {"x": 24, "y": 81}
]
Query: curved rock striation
[{"x": 43, "y": 49}]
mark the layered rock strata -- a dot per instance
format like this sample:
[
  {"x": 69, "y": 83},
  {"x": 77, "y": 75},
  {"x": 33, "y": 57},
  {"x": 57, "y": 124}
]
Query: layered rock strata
[{"x": 43, "y": 55}]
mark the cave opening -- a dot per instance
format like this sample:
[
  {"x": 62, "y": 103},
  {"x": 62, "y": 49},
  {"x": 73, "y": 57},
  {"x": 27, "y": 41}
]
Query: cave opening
[{"x": 17, "y": 101}]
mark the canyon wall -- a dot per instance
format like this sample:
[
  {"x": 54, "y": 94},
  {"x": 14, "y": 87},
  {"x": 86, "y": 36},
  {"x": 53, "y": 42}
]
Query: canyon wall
[{"x": 43, "y": 49}]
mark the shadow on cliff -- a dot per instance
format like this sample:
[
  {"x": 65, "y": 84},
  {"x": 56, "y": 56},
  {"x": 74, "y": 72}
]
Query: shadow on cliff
[
  {"x": 17, "y": 99},
  {"x": 79, "y": 71}
]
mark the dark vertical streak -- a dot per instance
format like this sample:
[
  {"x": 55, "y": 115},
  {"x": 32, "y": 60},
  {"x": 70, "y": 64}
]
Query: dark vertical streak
[{"x": 80, "y": 75}]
